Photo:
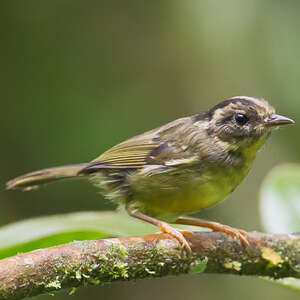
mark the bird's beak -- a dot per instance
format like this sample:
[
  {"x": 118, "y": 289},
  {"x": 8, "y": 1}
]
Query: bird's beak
[{"x": 277, "y": 120}]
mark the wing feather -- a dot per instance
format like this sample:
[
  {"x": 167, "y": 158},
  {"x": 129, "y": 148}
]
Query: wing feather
[
  {"x": 152, "y": 147},
  {"x": 127, "y": 154}
]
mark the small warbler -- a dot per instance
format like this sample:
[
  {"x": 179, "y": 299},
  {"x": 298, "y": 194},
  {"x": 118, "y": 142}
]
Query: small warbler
[{"x": 179, "y": 168}]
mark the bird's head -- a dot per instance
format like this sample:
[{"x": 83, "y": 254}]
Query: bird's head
[{"x": 243, "y": 122}]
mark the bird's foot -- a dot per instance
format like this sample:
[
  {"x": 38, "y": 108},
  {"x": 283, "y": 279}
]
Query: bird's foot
[
  {"x": 165, "y": 228},
  {"x": 240, "y": 234},
  {"x": 178, "y": 234},
  {"x": 235, "y": 232}
]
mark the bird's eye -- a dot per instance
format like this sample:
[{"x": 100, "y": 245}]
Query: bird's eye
[{"x": 241, "y": 119}]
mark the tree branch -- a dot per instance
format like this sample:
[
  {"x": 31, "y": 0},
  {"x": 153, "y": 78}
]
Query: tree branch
[{"x": 102, "y": 261}]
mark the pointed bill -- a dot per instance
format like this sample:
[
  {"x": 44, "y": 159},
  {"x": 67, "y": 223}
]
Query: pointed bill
[{"x": 277, "y": 120}]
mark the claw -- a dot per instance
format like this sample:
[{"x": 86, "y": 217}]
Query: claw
[
  {"x": 237, "y": 233},
  {"x": 241, "y": 235},
  {"x": 178, "y": 234},
  {"x": 164, "y": 227}
]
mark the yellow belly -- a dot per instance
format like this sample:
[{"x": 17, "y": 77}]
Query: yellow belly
[{"x": 172, "y": 197}]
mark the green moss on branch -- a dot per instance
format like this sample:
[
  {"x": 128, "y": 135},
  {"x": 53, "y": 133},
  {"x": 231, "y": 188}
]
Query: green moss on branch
[{"x": 103, "y": 261}]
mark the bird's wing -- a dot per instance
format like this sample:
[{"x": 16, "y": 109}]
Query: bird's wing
[
  {"x": 153, "y": 147},
  {"x": 129, "y": 153}
]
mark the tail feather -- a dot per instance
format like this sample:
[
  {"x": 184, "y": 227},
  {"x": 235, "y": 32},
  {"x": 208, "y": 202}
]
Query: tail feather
[{"x": 31, "y": 180}]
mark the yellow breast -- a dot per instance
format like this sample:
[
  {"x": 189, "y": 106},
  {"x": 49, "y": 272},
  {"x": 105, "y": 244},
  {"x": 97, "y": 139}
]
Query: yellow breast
[{"x": 169, "y": 196}]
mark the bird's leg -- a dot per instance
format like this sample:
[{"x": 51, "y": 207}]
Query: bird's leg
[
  {"x": 214, "y": 226},
  {"x": 164, "y": 227}
]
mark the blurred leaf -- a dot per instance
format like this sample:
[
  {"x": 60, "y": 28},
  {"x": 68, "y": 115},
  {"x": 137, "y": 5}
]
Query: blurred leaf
[
  {"x": 289, "y": 282},
  {"x": 280, "y": 200},
  {"x": 280, "y": 206},
  {"x": 58, "y": 229},
  {"x": 49, "y": 231}
]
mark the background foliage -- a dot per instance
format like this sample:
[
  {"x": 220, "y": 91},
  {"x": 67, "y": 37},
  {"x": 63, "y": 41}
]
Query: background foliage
[{"x": 79, "y": 76}]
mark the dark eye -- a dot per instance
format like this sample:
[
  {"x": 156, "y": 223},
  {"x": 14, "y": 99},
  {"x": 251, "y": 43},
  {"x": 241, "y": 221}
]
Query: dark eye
[{"x": 241, "y": 119}]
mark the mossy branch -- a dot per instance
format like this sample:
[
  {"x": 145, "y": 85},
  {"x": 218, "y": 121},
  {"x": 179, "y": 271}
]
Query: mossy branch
[{"x": 102, "y": 261}]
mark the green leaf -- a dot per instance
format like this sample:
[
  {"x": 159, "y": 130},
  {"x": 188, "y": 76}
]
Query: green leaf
[
  {"x": 290, "y": 282},
  {"x": 280, "y": 206},
  {"x": 48, "y": 231},
  {"x": 280, "y": 199}
]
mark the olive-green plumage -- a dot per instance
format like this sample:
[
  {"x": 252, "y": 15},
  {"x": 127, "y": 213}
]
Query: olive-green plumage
[{"x": 181, "y": 167}]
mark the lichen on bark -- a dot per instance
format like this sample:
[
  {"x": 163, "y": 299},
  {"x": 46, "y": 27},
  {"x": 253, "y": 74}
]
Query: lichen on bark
[{"x": 97, "y": 262}]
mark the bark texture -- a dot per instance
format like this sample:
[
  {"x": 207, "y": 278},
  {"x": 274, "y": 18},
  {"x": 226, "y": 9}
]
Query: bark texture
[{"x": 130, "y": 258}]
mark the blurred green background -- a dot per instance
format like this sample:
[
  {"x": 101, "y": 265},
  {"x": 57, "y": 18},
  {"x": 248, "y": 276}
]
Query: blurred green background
[{"x": 78, "y": 77}]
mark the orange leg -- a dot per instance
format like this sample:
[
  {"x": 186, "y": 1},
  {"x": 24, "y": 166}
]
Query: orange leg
[
  {"x": 164, "y": 227},
  {"x": 214, "y": 226}
]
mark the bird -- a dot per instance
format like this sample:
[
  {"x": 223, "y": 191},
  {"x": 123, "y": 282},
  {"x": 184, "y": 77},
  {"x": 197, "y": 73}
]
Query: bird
[{"x": 177, "y": 169}]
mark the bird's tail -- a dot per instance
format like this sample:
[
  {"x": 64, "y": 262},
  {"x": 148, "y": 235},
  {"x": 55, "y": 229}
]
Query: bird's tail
[{"x": 34, "y": 179}]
